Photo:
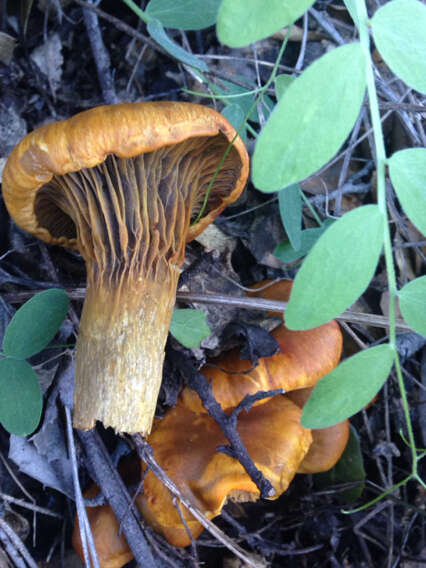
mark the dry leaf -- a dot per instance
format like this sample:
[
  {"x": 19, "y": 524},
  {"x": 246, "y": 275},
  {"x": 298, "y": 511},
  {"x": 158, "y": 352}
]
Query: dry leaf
[
  {"x": 7, "y": 45},
  {"x": 48, "y": 58}
]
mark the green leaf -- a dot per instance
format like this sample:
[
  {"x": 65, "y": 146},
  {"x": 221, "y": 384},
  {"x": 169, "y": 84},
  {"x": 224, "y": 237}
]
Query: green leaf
[
  {"x": 241, "y": 22},
  {"x": 189, "y": 327},
  {"x": 158, "y": 33},
  {"x": 21, "y": 400},
  {"x": 235, "y": 114},
  {"x": 348, "y": 388},
  {"x": 286, "y": 253},
  {"x": 407, "y": 170},
  {"x": 312, "y": 119},
  {"x": 352, "y": 9},
  {"x": 399, "y": 31},
  {"x": 349, "y": 469},
  {"x": 246, "y": 100},
  {"x": 36, "y": 323},
  {"x": 282, "y": 82},
  {"x": 412, "y": 303},
  {"x": 337, "y": 270},
  {"x": 184, "y": 14},
  {"x": 290, "y": 204}
]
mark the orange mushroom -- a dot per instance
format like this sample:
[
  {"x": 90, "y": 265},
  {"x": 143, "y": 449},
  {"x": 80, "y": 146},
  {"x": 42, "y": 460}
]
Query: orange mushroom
[
  {"x": 125, "y": 185},
  {"x": 304, "y": 357},
  {"x": 185, "y": 441},
  {"x": 328, "y": 444},
  {"x": 185, "y": 445},
  {"x": 111, "y": 545}
]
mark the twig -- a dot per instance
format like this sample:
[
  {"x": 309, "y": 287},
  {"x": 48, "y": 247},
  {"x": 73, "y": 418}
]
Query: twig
[
  {"x": 9, "y": 548},
  {"x": 277, "y": 306},
  {"x": 188, "y": 531},
  {"x": 301, "y": 56},
  {"x": 409, "y": 107},
  {"x": 17, "y": 543},
  {"x": 260, "y": 304},
  {"x": 387, "y": 91},
  {"x": 146, "y": 454},
  {"x": 327, "y": 26},
  {"x": 30, "y": 506},
  {"x": 100, "y": 55},
  {"x": 115, "y": 491},
  {"x": 243, "y": 59},
  {"x": 410, "y": 244},
  {"x": 418, "y": 121},
  {"x": 121, "y": 25},
  {"x": 237, "y": 449},
  {"x": 228, "y": 424},
  {"x": 15, "y": 478},
  {"x": 86, "y": 536},
  {"x": 345, "y": 165}
]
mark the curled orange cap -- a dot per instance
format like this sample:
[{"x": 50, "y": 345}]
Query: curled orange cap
[
  {"x": 185, "y": 445},
  {"x": 125, "y": 131},
  {"x": 304, "y": 357},
  {"x": 328, "y": 444},
  {"x": 111, "y": 546}
]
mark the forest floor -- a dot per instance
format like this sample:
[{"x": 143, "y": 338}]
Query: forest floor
[{"x": 50, "y": 71}]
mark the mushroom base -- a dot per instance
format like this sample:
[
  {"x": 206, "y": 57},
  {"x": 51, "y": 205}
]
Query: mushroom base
[{"x": 120, "y": 353}]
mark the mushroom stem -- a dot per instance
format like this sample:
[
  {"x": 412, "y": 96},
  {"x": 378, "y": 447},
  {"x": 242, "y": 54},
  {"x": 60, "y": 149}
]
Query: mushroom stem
[{"x": 120, "y": 352}]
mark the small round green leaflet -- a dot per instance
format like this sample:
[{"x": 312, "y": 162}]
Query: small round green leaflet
[
  {"x": 241, "y": 22},
  {"x": 348, "y": 388},
  {"x": 35, "y": 324},
  {"x": 407, "y": 170},
  {"x": 189, "y": 327},
  {"x": 412, "y": 303},
  {"x": 399, "y": 33},
  {"x": 21, "y": 400},
  {"x": 337, "y": 270},
  {"x": 184, "y": 14},
  {"x": 286, "y": 253},
  {"x": 312, "y": 119}
]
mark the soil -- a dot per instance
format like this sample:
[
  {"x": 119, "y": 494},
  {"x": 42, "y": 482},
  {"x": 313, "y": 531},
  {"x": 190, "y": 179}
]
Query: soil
[{"x": 50, "y": 71}]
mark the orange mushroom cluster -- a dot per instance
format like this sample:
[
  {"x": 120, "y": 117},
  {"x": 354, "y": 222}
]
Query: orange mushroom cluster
[
  {"x": 128, "y": 186},
  {"x": 185, "y": 441}
]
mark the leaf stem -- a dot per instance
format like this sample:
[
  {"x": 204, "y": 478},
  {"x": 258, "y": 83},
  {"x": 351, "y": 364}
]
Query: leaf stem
[
  {"x": 379, "y": 497},
  {"x": 140, "y": 13},
  {"x": 381, "y": 201},
  {"x": 311, "y": 208}
]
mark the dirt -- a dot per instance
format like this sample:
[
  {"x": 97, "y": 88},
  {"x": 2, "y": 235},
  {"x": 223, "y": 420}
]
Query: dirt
[{"x": 48, "y": 72}]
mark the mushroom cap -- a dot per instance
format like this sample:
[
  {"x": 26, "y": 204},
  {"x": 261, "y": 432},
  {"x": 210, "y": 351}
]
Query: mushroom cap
[
  {"x": 111, "y": 546},
  {"x": 86, "y": 139},
  {"x": 328, "y": 444},
  {"x": 185, "y": 446},
  {"x": 305, "y": 357}
]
